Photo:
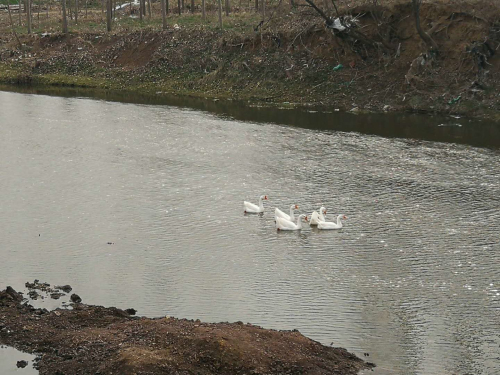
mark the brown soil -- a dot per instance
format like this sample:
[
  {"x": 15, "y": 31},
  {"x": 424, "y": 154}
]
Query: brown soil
[
  {"x": 387, "y": 67},
  {"x": 99, "y": 340}
]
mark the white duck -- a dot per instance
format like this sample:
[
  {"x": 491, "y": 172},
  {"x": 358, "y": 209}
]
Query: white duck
[
  {"x": 316, "y": 217},
  {"x": 279, "y": 213},
  {"x": 253, "y": 208},
  {"x": 331, "y": 225},
  {"x": 283, "y": 224}
]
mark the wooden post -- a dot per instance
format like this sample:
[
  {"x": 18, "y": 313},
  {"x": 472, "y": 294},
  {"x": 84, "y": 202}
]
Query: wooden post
[
  {"x": 28, "y": 15},
  {"x": 109, "y": 12}
]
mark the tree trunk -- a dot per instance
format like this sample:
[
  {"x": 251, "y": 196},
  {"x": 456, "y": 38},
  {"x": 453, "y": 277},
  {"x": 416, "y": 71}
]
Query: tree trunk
[
  {"x": 28, "y": 15},
  {"x": 220, "y": 14},
  {"x": 203, "y": 13},
  {"x": 39, "y": 6},
  {"x": 149, "y": 8},
  {"x": 183, "y": 5},
  {"x": 109, "y": 4},
  {"x": 256, "y": 5},
  {"x": 140, "y": 10},
  {"x": 164, "y": 14},
  {"x": 167, "y": 5},
  {"x": 86, "y": 8},
  {"x": 102, "y": 7},
  {"x": 180, "y": 7},
  {"x": 425, "y": 37},
  {"x": 64, "y": 19},
  {"x": 76, "y": 12},
  {"x": 263, "y": 9},
  {"x": 192, "y": 6},
  {"x": 20, "y": 7},
  {"x": 227, "y": 8}
]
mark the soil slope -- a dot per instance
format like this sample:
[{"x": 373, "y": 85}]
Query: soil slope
[
  {"x": 99, "y": 340},
  {"x": 380, "y": 64}
]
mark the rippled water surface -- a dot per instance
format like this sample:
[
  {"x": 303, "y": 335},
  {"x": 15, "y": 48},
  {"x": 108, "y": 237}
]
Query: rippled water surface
[{"x": 413, "y": 278}]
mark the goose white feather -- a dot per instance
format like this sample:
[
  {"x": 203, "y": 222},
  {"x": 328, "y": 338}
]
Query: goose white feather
[
  {"x": 253, "y": 208},
  {"x": 283, "y": 224},
  {"x": 331, "y": 225},
  {"x": 291, "y": 217},
  {"x": 317, "y": 217}
]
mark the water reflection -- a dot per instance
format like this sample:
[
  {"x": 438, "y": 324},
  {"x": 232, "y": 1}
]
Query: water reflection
[
  {"x": 8, "y": 362},
  {"x": 414, "y": 127}
]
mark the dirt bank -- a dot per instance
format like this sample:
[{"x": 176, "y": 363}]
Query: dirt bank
[
  {"x": 98, "y": 340},
  {"x": 381, "y": 65}
]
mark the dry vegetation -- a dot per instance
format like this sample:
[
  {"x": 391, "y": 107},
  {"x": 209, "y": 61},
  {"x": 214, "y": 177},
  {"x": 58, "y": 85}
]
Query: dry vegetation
[{"x": 292, "y": 57}]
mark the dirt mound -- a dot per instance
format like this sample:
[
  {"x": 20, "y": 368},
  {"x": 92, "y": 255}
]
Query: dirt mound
[{"x": 99, "y": 340}]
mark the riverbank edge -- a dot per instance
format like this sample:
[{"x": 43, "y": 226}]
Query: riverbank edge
[
  {"x": 96, "y": 339},
  {"x": 15, "y": 77}
]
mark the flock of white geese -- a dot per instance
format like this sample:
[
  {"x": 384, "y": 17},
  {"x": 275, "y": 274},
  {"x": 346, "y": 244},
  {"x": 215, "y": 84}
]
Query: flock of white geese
[{"x": 287, "y": 222}]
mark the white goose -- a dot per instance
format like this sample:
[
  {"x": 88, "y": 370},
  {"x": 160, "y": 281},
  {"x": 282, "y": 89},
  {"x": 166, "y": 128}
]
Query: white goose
[
  {"x": 331, "y": 225},
  {"x": 253, "y": 208},
  {"x": 316, "y": 217},
  {"x": 283, "y": 224},
  {"x": 279, "y": 213}
]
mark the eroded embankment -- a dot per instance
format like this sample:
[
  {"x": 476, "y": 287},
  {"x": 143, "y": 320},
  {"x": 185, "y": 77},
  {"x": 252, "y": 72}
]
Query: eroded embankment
[
  {"x": 380, "y": 64},
  {"x": 99, "y": 340}
]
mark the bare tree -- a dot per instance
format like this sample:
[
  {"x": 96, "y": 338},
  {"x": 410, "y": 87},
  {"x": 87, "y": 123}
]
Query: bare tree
[
  {"x": 425, "y": 37},
  {"x": 203, "y": 13},
  {"x": 220, "y": 14},
  {"x": 64, "y": 19},
  {"x": 12, "y": 25},
  {"x": 228, "y": 8},
  {"x": 164, "y": 14},
  {"x": 180, "y": 6},
  {"x": 192, "y": 6},
  {"x": 149, "y": 8}
]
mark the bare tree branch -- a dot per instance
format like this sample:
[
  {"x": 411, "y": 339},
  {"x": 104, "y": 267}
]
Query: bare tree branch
[{"x": 425, "y": 37}]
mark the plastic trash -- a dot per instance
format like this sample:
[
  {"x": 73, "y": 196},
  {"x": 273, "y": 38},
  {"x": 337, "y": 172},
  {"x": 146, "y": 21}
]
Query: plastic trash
[
  {"x": 338, "y": 67},
  {"x": 455, "y": 100}
]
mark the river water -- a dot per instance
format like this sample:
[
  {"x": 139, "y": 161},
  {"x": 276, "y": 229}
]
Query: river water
[{"x": 141, "y": 205}]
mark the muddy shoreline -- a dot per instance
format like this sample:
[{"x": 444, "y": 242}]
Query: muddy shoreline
[{"x": 85, "y": 339}]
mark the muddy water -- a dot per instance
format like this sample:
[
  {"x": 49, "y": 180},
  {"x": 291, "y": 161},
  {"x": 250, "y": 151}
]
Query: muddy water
[{"x": 140, "y": 206}]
